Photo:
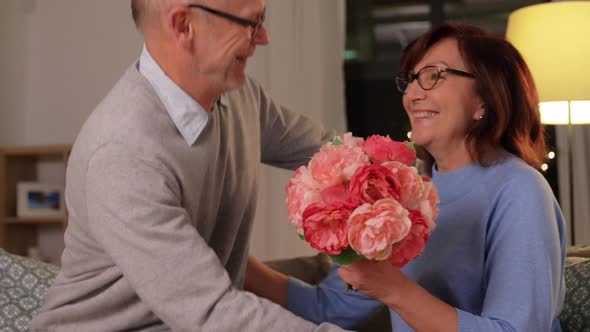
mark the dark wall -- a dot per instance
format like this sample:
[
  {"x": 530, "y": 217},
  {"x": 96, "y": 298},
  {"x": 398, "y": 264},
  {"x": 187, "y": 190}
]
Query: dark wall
[{"x": 373, "y": 105}]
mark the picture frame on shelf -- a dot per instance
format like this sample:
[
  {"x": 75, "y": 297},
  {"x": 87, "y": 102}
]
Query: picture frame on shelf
[{"x": 36, "y": 199}]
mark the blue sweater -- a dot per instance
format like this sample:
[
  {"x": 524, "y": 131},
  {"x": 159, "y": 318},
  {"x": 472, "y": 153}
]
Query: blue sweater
[{"x": 496, "y": 255}]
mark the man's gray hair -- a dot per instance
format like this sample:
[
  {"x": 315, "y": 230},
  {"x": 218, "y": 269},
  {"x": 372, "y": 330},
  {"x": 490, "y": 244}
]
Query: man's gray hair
[
  {"x": 137, "y": 11},
  {"x": 146, "y": 12}
]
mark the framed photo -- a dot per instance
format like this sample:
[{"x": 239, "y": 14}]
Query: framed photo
[{"x": 40, "y": 200}]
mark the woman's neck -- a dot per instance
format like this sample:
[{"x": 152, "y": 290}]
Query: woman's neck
[{"x": 451, "y": 158}]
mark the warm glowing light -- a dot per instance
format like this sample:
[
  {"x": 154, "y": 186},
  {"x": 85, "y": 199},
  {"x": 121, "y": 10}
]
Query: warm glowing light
[
  {"x": 544, "y": 167},
  {"x": 561, "y": 70},
  {"x": 551, "y": 155},
  {"x": 556, "y": 112},
  {"x": 580, "y": 111}
]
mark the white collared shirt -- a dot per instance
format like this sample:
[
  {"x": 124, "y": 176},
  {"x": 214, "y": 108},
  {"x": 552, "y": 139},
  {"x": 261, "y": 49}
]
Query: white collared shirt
[{"x": 188, "y": 115}]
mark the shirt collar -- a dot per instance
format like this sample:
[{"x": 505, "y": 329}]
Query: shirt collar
[{"x": 189, "y": 117}]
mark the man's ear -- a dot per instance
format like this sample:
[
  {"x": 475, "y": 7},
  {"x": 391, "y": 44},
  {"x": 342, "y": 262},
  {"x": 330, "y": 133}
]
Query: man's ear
[{"x": 178, "y": 24}]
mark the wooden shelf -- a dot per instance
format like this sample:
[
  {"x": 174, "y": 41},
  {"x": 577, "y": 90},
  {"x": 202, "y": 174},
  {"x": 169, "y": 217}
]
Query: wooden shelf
[
  {"x": 36, "y": 150},
  {"x": 34, "y": 220},
  {"x": 21, "y": 164}
]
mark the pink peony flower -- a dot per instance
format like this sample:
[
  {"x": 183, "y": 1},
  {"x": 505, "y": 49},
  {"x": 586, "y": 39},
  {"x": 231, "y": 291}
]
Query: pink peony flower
[
  {"x": 427, "y": 206},
  {"x": 413, "y": 244},
  {"x": 352, "y": 141},
  {"x": 382, "y": 149},
  {"x": 337, "y": 192},
  {"x": 302, "y": 191},
  {"x": 374, "y": 228},
  {"x": 412, "y": 189},
  {"x": 374, "y": 182},
  {"x": 325, "y": 226},
  {"x": 347, "y": 140},
  {"x": 336, "y": 164}
]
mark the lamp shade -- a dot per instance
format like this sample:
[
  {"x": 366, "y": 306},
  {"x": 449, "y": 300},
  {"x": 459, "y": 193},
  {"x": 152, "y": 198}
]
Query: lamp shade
[{"x": 554, "y": 39}]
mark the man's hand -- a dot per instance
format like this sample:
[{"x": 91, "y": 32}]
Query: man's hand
[{"x": 266, "y": 282}]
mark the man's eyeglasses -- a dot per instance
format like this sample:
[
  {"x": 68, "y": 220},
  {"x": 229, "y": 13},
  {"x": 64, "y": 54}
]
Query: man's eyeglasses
[
  {"x": 426, "y": 77},
  {"x": 256, "y": 25}
]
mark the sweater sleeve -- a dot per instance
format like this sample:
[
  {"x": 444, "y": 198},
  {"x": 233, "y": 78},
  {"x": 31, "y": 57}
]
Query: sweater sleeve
[
  {"x": 135, "y": 213},
  {"x": 329, "y": 302},
  {"x": 288, "y": 139},
  {"x": 524, "y": 260}
]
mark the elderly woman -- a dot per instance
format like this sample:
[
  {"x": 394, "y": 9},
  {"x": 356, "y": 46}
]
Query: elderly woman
[{"x": 495, "y": 261}]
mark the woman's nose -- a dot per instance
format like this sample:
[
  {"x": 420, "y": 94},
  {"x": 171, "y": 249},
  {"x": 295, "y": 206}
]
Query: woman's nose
[{"x": 414, "y": 91}]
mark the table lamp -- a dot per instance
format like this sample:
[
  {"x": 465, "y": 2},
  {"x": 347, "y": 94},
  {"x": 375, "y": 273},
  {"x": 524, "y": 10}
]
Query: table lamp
[{"x": 554, "y": 39}]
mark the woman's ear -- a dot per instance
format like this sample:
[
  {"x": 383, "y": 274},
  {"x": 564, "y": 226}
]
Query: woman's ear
[{"x": 480, "y": 112}]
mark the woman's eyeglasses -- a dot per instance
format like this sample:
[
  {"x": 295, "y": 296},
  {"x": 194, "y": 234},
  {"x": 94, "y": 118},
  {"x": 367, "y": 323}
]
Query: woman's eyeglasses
[{"x": 426, "y": 77}]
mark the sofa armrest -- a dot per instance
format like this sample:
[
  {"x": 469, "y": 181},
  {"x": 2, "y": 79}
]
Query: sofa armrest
[
  {"x": 578, "y": 251},
  {"x": 311, "y": 269}
]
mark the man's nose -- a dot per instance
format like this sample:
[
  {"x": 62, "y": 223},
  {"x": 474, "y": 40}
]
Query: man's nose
[{"x": 262, "y": 37}]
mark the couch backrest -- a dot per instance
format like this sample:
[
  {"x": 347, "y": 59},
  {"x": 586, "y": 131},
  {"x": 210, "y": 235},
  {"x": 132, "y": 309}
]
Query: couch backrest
[
  {"x": 23, "y": 285},
  {"x": 575, "y": 315}
]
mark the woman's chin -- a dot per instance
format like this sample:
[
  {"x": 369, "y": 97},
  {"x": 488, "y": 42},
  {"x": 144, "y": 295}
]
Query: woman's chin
[{"x": 420, "y": 140}]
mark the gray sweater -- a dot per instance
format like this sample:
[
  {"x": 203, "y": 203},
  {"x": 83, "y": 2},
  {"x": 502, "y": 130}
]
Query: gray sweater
[{"x": 158, "y": 230}]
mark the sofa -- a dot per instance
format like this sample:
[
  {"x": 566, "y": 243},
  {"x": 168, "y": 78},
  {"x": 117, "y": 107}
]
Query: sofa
[{"x": 24, "y": 283}]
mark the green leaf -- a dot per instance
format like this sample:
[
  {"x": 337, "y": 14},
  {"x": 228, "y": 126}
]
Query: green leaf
[
  {"x": 410, "y": 145},
  {"x": 347, "y": 256},
  {"x": 301, "y": 236},
  {"x": 336, "y": 141},
  {"x": 348, "y": 287}
]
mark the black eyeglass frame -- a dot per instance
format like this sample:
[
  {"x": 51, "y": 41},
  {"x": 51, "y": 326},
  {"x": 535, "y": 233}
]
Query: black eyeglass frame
[
  {"x": 409, "y": 77},
  {"x": 241, "y": 21}
]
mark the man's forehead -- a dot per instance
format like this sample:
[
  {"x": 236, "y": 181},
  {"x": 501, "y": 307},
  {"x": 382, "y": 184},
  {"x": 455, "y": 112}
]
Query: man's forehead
[{"x": 245, "y": 6}]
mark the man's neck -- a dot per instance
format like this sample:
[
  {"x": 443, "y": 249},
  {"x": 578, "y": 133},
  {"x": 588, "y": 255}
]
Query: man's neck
[{"x": 199, "y": 88}]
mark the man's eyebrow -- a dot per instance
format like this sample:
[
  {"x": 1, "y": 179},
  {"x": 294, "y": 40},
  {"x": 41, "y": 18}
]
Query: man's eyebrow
[{"x": 261, "y": 13}]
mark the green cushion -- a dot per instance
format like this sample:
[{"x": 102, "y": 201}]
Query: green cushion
[
  {"x": 23, "y": 284},
  {"x": 576, "y": 309}
]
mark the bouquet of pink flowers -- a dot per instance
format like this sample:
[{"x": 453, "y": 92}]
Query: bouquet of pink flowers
[{"x": 363, "y": 199}]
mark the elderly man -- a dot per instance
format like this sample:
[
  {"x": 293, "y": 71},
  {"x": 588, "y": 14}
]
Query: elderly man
[{"x": 162, "y": 181}]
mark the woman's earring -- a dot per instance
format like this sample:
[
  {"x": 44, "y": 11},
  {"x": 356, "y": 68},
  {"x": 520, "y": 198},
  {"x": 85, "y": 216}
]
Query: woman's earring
[{"x": 481, "y": 116}]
